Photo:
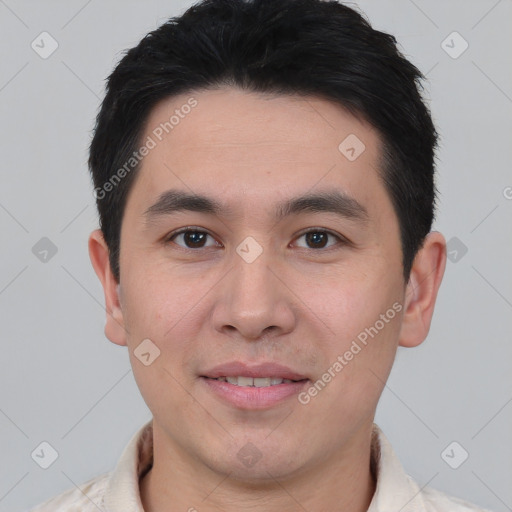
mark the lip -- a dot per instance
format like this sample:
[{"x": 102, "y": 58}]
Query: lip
[
  {"x": 253, "y": 398},
  {"x": 238, "y": 368}
]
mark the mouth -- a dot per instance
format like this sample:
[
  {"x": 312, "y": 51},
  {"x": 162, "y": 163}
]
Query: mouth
[
  {"x": 260, "y": 375},
  {"x": 253, "y": 387},
  {"x": 256, "y": 382}
]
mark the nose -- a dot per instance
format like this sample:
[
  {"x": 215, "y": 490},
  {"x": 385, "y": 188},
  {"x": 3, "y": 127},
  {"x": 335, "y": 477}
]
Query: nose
[{"x": 254, "y": 301}]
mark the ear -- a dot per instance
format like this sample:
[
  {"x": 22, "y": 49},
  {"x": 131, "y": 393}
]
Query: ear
[
  {"x": 98, "y": 252},
  {"x": 421, "y": 291}
]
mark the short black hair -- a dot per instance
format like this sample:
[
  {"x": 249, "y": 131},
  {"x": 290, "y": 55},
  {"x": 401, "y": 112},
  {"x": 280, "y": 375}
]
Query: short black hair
[{"x": 305, "y": 47}]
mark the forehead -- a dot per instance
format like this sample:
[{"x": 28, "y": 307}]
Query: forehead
[
  {"x": 250, "y": 146},
  {"x": 230, "y": 116}
]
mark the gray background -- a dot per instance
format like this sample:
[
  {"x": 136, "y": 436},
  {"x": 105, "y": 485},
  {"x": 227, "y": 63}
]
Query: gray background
[{"x": 63, "y": 382}]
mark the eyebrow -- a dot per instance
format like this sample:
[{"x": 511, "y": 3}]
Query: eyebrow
[{"x": 342, "y": 205}]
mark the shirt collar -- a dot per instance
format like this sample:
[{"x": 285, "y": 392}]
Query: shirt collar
[
  {"x": 122, "y": 493},
  {"x": 395, "y": 490}
]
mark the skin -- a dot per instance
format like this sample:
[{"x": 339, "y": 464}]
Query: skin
[{"x": 296, "y": 304}]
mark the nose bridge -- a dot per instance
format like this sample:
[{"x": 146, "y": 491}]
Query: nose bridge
[
  {"x": 253, "y": 281},
  {"x": 253, "y": 298}
]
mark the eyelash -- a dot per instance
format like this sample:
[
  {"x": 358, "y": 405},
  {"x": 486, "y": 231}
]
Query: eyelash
[{"x": 342, "y": 241}]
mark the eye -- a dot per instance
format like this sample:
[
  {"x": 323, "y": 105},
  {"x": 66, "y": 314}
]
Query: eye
[
  {"x": 192, "y": 238},
  {"x": 318, "y": 238}
]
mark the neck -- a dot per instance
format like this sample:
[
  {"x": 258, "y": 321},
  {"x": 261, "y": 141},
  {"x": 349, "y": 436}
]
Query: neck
[{"x": 343, "y": 481}]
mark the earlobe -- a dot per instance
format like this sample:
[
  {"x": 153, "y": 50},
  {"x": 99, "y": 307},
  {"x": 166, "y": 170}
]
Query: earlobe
[
  {"x": 421, "y": 292},
  {"x": 98, "y": 252}
]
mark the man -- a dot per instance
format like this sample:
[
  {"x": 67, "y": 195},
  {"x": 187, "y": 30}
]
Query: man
[{"x": 264, "y": 175}]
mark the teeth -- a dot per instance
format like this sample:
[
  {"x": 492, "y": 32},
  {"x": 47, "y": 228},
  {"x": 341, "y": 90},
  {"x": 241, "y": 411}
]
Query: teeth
[
  {"x": 258, "y": 382},
  {"x": 245, "y": 381}
]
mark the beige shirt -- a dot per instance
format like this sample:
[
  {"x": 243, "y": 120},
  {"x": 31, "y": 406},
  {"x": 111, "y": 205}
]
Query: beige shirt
[{"x": 118, "y": 491}]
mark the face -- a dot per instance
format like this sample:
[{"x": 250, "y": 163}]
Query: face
[{"x": 257, "y": 283}]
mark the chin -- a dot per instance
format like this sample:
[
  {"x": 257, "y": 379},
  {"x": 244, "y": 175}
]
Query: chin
[
  {"x": 255, "y": 467},
  {"x": 260, "y": 476}
]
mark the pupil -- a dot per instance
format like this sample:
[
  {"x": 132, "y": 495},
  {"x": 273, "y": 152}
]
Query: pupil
[
  {"x": 194, "y": 237},
  {"x": 315, "y": 237}
]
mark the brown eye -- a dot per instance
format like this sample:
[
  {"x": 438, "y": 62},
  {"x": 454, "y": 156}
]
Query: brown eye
[
  {"x": 191, "y": 238},
  {"x": 319, "y": 238}
]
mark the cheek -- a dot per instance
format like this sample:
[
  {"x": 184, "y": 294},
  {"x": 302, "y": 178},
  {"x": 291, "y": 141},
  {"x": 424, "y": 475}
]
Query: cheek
[
  {"x": 164, "y": 311},
  {"x": 364, "y": 315},
  {"x": 158, "y": 299},
  {"x": 347, "y": 304},
  {"x": 169, "y": 311}
]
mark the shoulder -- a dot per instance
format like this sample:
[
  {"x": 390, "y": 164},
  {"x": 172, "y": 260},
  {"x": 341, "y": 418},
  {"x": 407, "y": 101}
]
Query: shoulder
[
  {"x": 438, "y": 501},
  {"x": 89, "y": 497},
  {"x": 397, "y": 490}
]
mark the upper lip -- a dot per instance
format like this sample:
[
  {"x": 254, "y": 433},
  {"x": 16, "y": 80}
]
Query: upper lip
[{"x": 238, "y": 368}]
